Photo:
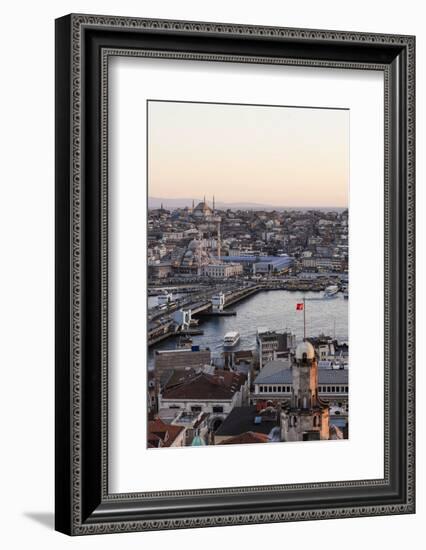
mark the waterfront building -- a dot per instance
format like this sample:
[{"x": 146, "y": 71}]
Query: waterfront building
[
  {"x": 223, "y": 270},
  {"x": 325, "y": 263},
  {"x": 305, "y": 416},
  {"x": 335, "y": 262},
  {"x": 273, "y": 265},
  {"x": 309, "y": 262},
  {"x": 272, "y": 344}
]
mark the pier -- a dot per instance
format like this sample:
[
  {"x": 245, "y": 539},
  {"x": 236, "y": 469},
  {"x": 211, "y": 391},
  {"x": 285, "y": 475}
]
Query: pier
[{"x": 161, "y": 325}]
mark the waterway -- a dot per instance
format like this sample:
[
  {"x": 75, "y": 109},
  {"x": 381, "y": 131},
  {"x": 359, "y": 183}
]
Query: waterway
[{"x": 275, "y": 310}]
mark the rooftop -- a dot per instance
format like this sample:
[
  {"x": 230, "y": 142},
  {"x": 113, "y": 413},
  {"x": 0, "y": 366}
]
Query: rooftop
[
  {"x": 247, "y": 419},
  {"x": 280, "y": 372},
  {"x": 161, "y": 434},
  {"x": 220, "y": 385}
]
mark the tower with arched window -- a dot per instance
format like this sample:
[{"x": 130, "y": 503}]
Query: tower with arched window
[{"x": 304, "y": 417}]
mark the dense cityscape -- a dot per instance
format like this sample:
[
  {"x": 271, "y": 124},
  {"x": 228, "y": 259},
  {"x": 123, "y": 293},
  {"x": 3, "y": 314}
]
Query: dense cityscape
[{"x": 207, "y": 264}]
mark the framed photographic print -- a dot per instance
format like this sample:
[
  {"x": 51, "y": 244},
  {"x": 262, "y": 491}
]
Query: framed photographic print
[{"x": 234, "y": 266}]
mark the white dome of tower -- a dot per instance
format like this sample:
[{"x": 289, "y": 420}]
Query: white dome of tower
[{"x": 305, "y": 348}]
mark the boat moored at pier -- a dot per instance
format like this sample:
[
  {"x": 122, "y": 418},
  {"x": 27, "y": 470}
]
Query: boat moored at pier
[{"x": 331, "y": 291}]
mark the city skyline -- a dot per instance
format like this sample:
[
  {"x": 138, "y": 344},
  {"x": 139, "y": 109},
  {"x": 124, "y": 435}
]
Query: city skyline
[
  {"x": 182, "y": 202},
  {"x": 283, "y": 156},
  {"x": 247, "y": 271}
]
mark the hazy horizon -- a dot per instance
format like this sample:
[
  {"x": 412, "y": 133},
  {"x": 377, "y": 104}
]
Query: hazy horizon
[
  {"x": 181, "y": 202},
  {"x": 273, "y": 156}
]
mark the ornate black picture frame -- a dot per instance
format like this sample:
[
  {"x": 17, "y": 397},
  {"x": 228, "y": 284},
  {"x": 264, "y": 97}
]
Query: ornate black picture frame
[{"x": 83, "y": 45}]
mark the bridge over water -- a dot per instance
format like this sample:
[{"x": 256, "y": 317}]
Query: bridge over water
[{"x": 161, "y": 325}]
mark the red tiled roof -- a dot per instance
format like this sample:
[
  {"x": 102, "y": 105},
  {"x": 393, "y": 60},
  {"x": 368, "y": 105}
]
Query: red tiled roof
[
  {"x": 161, "y": 434},
  {"x": 247, "y": 437},
  {"x": 220, "y": 385}
]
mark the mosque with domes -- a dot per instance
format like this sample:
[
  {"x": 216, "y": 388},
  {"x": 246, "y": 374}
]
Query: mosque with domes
[
  {"x": 198, "y": 256},
  {"x": 195, "y": 257},
  {"x": 203, "y": 211}
]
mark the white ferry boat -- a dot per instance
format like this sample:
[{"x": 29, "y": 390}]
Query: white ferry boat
[
  {"x": 331, "y": 291},
  {"x": 231, "y": 339}
]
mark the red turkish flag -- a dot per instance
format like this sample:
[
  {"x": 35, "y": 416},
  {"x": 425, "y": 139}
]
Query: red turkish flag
[{"x": 299, "y": 307}]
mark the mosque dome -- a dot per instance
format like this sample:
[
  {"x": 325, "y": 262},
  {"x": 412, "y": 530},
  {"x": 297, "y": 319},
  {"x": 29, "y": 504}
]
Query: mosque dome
[
  {"x": 203, "y": 207},
  {"x": 305, "y": 348},
  {"x": 195, "y": 254},
  {"x": 194, "y": 244},
  {"x": 202, "y": 211}
]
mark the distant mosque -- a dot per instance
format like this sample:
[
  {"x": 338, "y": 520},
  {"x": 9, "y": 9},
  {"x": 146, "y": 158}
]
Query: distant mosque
[{"x": 203, "y": 211}]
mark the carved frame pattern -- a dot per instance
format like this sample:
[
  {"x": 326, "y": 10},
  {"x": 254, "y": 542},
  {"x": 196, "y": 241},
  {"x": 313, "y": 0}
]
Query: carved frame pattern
[{"x": 77, "y": 524}]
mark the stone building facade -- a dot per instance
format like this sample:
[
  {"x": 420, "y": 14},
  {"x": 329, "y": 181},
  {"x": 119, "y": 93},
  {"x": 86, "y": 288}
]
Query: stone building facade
[{"x": 305, "y": 417}]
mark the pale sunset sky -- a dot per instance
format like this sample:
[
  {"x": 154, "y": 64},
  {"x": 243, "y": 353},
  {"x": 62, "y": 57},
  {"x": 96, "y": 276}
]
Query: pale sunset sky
[{"x": 281, "y": 156}]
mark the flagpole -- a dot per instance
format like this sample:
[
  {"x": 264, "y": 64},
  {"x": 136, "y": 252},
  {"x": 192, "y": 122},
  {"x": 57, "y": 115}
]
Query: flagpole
[{"x": 304, "y": 319}]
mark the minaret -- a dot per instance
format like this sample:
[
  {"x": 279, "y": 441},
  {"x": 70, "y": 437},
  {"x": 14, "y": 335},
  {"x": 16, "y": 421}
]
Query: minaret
[
  {"x": 199, "y": 255},
  {"x": 219, "y": 244},
  {"x": 213, "y": 205}
]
